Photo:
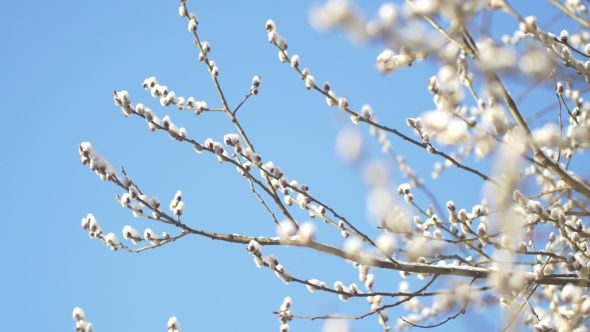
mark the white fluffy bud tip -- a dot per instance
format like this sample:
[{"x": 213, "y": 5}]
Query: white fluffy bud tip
[
  {"x": 295, "y": 61},
  {"x": 182, "y": 11},
  {"x": 418, "y": 124},
  {"x": 309, "y": 82},
  {"x": 342, "y": 103},
  {"x": 388, "y": 13},
  {"x": 256, "y": 81},
  {"x": 121, "y": 98},
  {"x": 307, "y": 231},
  {"x": 254, "y": 247},
  {"x": 173, "y": 324},
  {"x": 563, "y": 36},
  {"x": 111, "y": 239},
  {"x": 270, "y": 25},
  {"x": 78, "y": 314}
]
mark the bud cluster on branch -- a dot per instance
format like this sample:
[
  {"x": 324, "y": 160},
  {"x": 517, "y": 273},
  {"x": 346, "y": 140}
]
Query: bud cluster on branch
[{"x": 522, "y": 247}]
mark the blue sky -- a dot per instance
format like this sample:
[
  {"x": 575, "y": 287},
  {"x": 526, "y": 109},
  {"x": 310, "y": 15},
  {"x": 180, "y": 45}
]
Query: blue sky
[{"x": 60, "y": 63}]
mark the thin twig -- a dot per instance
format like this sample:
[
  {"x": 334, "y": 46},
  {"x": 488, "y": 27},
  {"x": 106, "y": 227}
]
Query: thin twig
[
  {"x": 570, "y": 13},
  {"x": 527, "y": 298},
  {"x": 242, "y": 103},
  {"x": 461, "y": 312},
  {"x": 218, "y": 87},
  {"x": 272, "y": 215}
]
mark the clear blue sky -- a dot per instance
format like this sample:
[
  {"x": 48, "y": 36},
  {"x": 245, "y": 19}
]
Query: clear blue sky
[{"x": 60, "y": 62}]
